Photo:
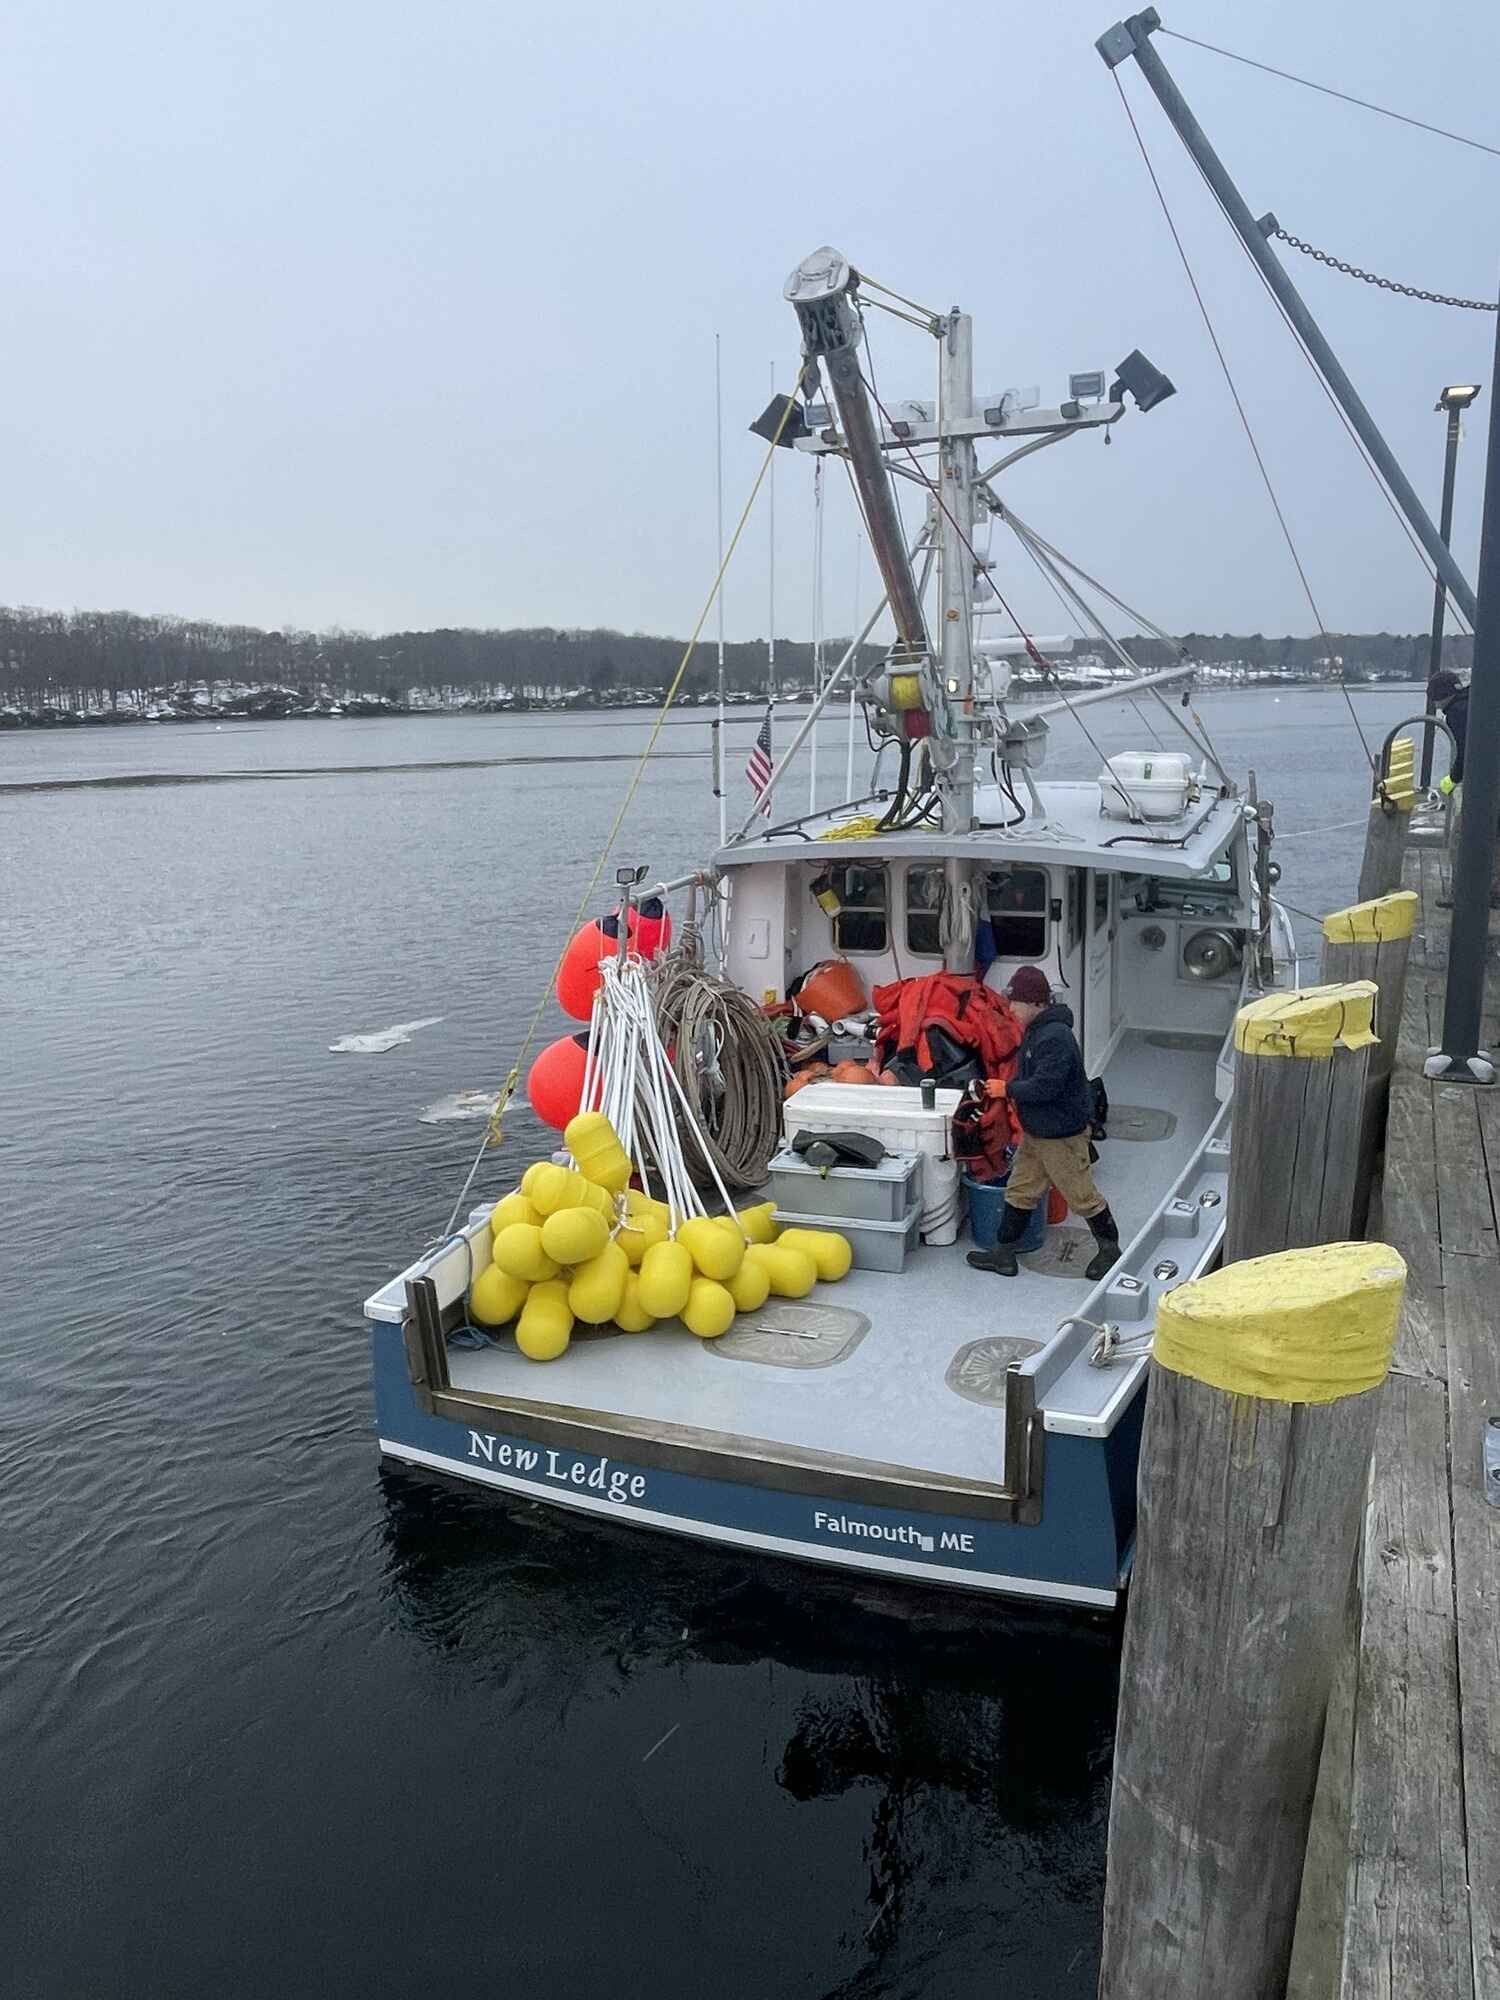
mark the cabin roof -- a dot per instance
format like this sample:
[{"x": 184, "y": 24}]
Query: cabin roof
[{"x": 1073, "y": 832}]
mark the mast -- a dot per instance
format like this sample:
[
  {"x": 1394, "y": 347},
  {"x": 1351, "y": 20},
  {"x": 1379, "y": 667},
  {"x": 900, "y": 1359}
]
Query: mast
[
  {"x": 719, "y": 512},
  {"x": 958, "y": 468},
  {"x": 831, "y": 332},
  {"x": 771, "y": 639},
  {"x": 1133, "y": 38}
]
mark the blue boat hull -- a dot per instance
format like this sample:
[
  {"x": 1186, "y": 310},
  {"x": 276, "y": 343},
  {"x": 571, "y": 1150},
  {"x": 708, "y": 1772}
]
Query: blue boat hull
[{"x": 1077, "y": 1552}]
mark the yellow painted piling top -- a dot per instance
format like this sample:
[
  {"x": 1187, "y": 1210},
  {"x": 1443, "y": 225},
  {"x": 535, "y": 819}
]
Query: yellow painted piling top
[
  {"x": 1303, "y": 1326},
  {"x": 1399, "y": 781},
  {"x": 1312, "y": 1022},
  {"x": 1370, "y": 923}
]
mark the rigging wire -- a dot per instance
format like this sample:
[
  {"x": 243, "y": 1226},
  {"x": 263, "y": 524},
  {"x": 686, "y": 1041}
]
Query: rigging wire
[
  {"x": 494, "y": 1128},
  {"x": 1327, "y": 90},
  {"x": 1240, "y": 408}
]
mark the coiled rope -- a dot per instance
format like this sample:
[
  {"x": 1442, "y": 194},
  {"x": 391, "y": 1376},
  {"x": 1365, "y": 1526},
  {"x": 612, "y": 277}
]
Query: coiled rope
[{"x": 727, "y": 1060}]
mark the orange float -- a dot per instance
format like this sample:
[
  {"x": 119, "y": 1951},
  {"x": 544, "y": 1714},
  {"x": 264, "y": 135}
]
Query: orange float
[
  {"x": 578, "y": 976},
  {"x": 554, "y": 1083},
  {"x": 832, "y": 990}
]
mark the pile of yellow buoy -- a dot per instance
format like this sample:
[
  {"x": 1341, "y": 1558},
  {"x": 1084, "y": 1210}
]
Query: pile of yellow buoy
[{"x": 584, "y": 1245}]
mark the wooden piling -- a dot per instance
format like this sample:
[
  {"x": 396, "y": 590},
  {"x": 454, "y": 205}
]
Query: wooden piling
[
  {"x": 1373, "y": 941},
  {"x": 1389, "y": 822},
  {"x": 1264, "y": 1394},
  {"x": 1298, "y": 1150}
]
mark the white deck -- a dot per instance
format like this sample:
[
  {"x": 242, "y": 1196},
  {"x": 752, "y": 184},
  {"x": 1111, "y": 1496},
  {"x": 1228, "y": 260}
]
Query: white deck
[{"x": 889, "y": 1400}]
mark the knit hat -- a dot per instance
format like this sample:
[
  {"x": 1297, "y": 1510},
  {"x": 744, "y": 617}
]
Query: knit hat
[
  {"x": 1029, "y": 983},
  {"x": 1443, "y": 684}
]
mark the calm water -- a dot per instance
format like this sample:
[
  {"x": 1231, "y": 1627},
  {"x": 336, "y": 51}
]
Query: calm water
[{"x": 279, "y": 1722}]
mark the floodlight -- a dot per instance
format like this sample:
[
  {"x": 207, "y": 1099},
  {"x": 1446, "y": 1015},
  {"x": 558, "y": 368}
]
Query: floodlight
[
  {"x": 1145, "y": 383},
  {"x": 1458, "y": 396}
]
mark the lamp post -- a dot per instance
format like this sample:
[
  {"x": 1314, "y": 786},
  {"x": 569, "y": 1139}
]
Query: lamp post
[
  {"x": 1461, "y": 1057},
  {"x": 1455, "y": 400}
]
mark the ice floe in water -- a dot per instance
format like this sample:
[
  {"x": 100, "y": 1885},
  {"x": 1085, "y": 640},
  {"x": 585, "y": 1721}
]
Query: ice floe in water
[
  {"x": 381, "y": 1039},
  {"x": 462, "y": 1104}
]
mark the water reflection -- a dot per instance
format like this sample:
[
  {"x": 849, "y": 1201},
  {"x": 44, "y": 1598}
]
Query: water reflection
[{"x": 949, "y": 1758}]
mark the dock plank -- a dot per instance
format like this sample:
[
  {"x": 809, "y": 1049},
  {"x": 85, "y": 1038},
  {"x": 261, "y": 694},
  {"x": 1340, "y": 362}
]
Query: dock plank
[
  {"x": 1474, "y": 1396},
  {"x": 1407, "y": 1929},
  {"x": 1466, "y": 1216},
  {"x": 1406, "y": 1217}
]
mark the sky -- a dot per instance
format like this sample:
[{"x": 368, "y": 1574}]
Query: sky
[{"x": 384, "y": 316}]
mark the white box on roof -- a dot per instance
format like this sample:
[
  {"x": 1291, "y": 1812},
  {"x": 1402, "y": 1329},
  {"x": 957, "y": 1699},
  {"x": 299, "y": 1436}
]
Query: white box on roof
[{"x": 1156, "y": 783}]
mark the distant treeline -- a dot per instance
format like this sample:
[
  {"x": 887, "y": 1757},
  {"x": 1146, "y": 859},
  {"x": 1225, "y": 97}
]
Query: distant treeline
[{"x": 81, "y": 659}]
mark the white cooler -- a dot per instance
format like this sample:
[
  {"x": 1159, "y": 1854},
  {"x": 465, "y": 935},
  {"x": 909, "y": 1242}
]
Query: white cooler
[
  {"x": 892, "y": 1114},
  {"x": 1157, "y": 783}
]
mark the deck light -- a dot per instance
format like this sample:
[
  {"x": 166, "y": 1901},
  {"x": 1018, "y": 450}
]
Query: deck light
[
  {"x": 1145, "y": 382},
  {"x": 794, "y": 425},
  {"x": 1458, "y": 396}
]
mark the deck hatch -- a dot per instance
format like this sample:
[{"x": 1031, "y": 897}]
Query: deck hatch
[{"x": 784, "y": 1334}]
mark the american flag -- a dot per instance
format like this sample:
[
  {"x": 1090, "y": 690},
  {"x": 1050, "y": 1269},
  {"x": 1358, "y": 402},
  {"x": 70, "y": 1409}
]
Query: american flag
[{"x": 758, "y": 770}]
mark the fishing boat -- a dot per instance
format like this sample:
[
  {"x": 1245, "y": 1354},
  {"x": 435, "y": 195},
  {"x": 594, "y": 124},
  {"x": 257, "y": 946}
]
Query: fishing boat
[{"x": 922, "y": 1419}]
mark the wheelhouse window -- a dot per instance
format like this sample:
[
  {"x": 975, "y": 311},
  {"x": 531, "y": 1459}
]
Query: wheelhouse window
[
  {"x": 862, "y": 919},
  {"x": 924, "y": 909},
  {"x": 1016, "y": 903}
]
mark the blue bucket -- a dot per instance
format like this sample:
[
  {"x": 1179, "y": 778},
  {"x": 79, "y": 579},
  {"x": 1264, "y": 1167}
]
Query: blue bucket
[{"x": 986, "y": 1200}]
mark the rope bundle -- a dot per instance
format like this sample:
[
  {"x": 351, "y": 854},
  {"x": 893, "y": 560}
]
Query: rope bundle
[{"x": 727, "y": 1059}]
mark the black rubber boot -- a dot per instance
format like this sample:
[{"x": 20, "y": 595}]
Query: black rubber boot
[
  {"x": 1107, "y": 1236},
  {"x": 1002, "y": 1259}
]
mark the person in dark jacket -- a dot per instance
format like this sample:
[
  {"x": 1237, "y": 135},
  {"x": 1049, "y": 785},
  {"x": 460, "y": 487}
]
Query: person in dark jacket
[
  {"x": 1055, "y": 1104},
  {"x": 1448, "y": 695}
]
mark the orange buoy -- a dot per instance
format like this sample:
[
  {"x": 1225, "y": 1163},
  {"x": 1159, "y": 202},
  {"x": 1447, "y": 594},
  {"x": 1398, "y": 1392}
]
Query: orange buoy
[
  {"x": 554, "y": 1083},
  {"x": 578, "y": 975},
  {"x": 832, "y": 990}
]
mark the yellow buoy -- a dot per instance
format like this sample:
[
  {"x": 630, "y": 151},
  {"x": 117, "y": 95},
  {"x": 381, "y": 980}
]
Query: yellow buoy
[
  {"x": 709, "y": 1310},
  {"x": 519, "y": 1253},
  {"x": 792, "y": 1273},
  {"x": 716, "y": 1252},
  {"x": 631, "y": 1316},
  {"x": 573, "y": 1235},
  {"x": 646, "y": 1222},
  {"x": 750, "y": 1286},
  {"x": 557, "y": 1187},
  {"x": 546, "y": 1323},
  {"x": 511, "y": 1208},
  {"x": 591, "y": 1139},
  {"x": 496, "y": 1296},
  {"x": 532, "y": 1175},
  {"x": 666, "y": 1278},
  {"x": 829, "y": 1251},
  {"x": 598, "y": 1287},
  {"x": 759, "y": 1222}
]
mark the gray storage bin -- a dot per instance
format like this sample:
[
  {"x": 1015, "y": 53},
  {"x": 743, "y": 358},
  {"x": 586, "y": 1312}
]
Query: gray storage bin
[
  {"x": 850, "y": 1048},
  {"x": 877, "y": 1246},
  {"x": 874, "y": 1194}
]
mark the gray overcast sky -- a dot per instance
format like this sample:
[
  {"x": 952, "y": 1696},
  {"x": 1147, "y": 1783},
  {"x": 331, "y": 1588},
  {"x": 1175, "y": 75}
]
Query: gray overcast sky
[{"x": 350, "y": 312}]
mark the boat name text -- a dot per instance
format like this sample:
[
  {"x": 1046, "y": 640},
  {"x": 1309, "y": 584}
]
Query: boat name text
[{"x": 614, "y": 1483}]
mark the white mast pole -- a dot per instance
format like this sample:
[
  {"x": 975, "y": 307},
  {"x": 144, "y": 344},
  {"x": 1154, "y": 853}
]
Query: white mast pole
[
  {"x": 955, "y": 537},
  {"x": 854, "y": 684},
  {"x": 817, "y": 644},
  {"x": 719, "y": 512},
  {"x": 771, "y": 640}
]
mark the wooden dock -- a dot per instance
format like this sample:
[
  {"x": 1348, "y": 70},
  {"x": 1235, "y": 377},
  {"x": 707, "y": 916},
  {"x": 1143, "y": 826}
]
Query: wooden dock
[{"x": 1401, "y": 1892}]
